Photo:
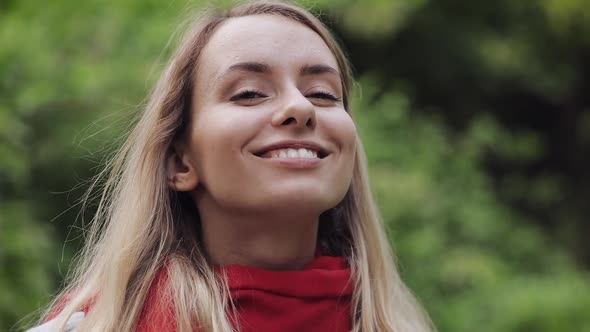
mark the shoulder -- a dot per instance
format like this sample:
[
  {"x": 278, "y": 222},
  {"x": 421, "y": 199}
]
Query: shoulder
[
  {"x": 158, "y": 310},
  {"x": 157, "y": 313},
  {"x": 51, "y": 325}
]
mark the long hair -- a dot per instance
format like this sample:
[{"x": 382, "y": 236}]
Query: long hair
[{"x": 142, "y": 226}]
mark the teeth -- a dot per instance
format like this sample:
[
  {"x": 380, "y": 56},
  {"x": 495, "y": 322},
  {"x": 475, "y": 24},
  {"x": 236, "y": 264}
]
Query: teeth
[
  {"x": 303, "y": 153},
  {"x": 294, "y": 153}
]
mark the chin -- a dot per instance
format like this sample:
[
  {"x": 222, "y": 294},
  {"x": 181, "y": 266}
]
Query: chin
[{"x": 302, "y": 200}]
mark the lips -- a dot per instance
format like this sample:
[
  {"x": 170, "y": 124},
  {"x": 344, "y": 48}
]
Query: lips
[{"x": 277, "y": 150}]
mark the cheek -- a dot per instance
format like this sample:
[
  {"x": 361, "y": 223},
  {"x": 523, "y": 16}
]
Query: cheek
[
  {"x": 209, "y": 138},
  {"x": 218, "y": 138},
  {"x": 342, "y": 129}
]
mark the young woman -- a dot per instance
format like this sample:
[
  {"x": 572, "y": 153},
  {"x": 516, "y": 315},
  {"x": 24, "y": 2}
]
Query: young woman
[{"x": 240, "y": 201}]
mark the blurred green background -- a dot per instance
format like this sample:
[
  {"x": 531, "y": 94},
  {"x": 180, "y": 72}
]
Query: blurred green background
[{"x": 475, "y": 116}]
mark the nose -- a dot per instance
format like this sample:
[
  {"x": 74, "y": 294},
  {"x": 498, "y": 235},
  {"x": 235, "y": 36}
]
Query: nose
[{"x": 297, "y": 111}]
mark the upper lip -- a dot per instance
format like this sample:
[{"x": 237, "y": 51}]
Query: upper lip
[{"x": 291, "y": 144}]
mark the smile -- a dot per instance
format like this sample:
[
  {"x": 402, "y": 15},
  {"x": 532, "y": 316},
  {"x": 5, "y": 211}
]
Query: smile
[
  {"x": 301, "y": 153},
  {"x": 293, "y": 150}
]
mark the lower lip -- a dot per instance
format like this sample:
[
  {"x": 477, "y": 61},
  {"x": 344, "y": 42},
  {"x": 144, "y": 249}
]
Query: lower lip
[{"x": 294, "y": 162}]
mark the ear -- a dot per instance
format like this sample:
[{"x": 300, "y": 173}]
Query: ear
[{"x": 181, "y": 173}]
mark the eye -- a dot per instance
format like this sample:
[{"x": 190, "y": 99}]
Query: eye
[
  {"x": 248, "y": 95},
  {"x": 323, "y": 95}
]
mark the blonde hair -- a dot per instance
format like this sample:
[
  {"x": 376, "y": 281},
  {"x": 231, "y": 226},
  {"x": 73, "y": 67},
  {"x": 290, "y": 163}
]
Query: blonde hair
[{"x": 141, "y": 225}]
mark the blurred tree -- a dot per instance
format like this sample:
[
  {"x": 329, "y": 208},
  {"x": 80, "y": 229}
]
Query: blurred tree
[
  {"x": 526, "y": 64},
  {"x": 471, "y": 259}
]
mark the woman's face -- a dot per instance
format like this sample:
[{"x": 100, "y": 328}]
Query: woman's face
[{"x": 269, "y": 130}]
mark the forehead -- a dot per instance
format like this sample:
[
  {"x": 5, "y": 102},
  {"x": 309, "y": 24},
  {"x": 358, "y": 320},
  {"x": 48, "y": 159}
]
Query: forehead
[{"x": 280, "y": 42}]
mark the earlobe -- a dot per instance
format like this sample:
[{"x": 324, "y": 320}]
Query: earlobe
[{"x": 180, "y": 172}]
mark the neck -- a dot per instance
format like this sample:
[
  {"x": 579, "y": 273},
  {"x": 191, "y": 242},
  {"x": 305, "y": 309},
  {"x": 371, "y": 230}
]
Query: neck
[{"x": 274, "y": 241}]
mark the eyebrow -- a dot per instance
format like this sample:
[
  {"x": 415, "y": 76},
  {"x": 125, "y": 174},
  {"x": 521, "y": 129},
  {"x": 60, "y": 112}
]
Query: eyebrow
[
  {"x": 255, "y": 67},
  {"x": 262, "y": 68},
  {"x": 318, "y": 69}
]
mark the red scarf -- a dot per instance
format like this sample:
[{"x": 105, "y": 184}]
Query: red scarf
[{"x": 316, "y": 298}]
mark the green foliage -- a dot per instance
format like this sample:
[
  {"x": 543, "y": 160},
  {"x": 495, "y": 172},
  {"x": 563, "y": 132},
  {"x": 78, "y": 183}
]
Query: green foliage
[
  {"x": 26, "y": 274},
  {"x": 471, "y": 259},
  {"x": 74, "y": 73}
]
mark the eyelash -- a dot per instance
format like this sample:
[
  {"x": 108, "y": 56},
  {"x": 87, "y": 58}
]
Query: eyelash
[
  {"x": 248, "y": 94},
  {"x": 251, "y": 94},
  {"x": 324, "y": 95}
]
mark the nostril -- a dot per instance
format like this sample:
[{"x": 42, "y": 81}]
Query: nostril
[
  {"x": 289, "y": 121},
  {"x": 309, "y": 122}
]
